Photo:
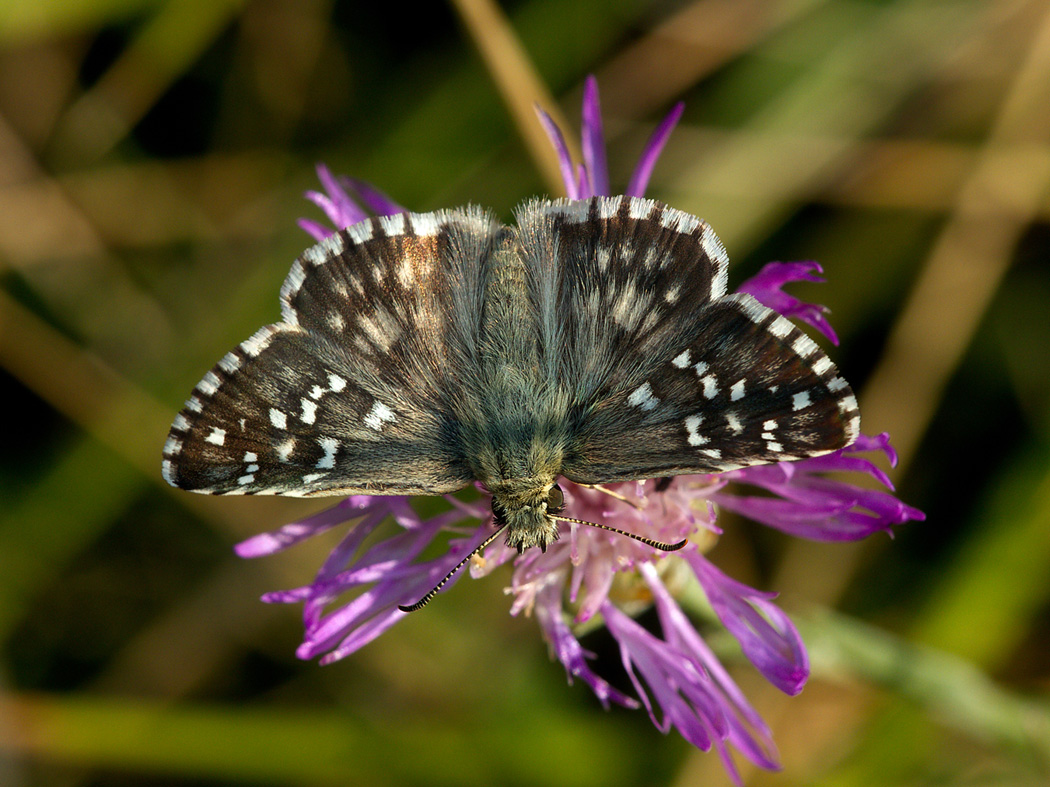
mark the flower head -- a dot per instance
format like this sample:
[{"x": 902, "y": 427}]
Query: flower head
[{"x": 593, "y": 574}]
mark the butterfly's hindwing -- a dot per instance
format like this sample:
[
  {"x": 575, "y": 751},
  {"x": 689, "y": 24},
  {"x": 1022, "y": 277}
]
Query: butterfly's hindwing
[
  {"x": 751, "y": 389},
  {"x": 352, "y": 391},
  {"x": 291, "y": 421}
]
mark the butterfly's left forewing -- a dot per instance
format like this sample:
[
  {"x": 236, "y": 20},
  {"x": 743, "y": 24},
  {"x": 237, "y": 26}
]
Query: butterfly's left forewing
[
  {"x": 667, "y": 374},
  {"x": 353, "y": 391}
]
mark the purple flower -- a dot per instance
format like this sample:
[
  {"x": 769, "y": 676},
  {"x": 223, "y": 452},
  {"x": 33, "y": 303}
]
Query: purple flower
[
  {"x": 596, "y": 574},
  {"x": 765, "y": 287},
  {"x": 340, "y": 207},
  {"x": 591, "y": 179}
]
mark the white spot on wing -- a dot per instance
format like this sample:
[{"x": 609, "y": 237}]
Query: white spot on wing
[
  {"x": 309, "y": 414},
  {"x": 380, "y": 327},
  {"x": 292, "y": 284},
  {"x": 681, "y": 360},
  {"x": 651, "y": 257},
  {"x": 736, "y": 393},
  {"x": 230, "y": 363},
  {"x": 609, "y": 206},
  {"x": 405, "y": 274},
  {"x": 628, "y": 308},
  {"x": 800, "y": 401},
  {"x": 393, "y": 225},
  {"x": 716, "y": 251},
  {"x": 604, "y": 257},
  {"x": 639, "y": 208},
  {"x": 314, "y": 255},
  {"x": 678, "y": 221},
  {"x": 361, "y": 232},
  {"x": 771, "y": 442},
  {"x": 692, "y": 425},
  {"x": 330, "y": 248},
  {"x": 284, "y": 450},
  {"x": 379, "y": 414},
  {"x": 734, "y": 423},
  {"x": 643, "y": 397},
  {"x": 278, "y": 418},
  {"x": 258, "y": 341},
  {"x": 805, "y": 346},
  {"x": 781, "y": 327},
  {"x": 217, "y": 436},
  {"x": 710, "y": 386},
  {"x": 209, "y": 384},
  {"x": 428, "y": 224},
  {"x": 853, "y": 429},
  {"x": 329, "y": 445}
]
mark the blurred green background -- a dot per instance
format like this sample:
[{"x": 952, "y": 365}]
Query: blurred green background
[{"x": 152, "y": 160}]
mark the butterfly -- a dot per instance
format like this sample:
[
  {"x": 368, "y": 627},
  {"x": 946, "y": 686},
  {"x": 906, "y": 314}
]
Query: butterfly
[{"x": 594, "y": 340}]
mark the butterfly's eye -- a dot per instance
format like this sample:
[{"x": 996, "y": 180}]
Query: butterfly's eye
[
  {"x": 555, "y": 500},
  {"x": 499, "y": 514}
]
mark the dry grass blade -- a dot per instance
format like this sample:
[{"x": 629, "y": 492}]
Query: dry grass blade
[
  {"x": 1006, "y": 190},
  {"x": 518, "y": 82}
]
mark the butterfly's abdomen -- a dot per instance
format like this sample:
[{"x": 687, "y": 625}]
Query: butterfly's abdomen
[{"x": 510, "y": 342}]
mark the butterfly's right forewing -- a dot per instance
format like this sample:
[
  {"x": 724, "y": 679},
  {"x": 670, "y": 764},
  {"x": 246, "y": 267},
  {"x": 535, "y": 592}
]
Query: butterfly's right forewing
[
  {"x": 616, "y": 281},
  {"x": 354, "y": 390}
]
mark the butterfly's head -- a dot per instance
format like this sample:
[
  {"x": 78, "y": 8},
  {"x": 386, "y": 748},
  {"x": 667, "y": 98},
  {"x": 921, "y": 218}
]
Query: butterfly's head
[{"x": 526, "y": 509}]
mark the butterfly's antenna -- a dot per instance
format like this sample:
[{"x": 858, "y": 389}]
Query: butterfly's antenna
[
  {"x": 434, "y": 591},
  {"x": 647, "y": 541}
]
